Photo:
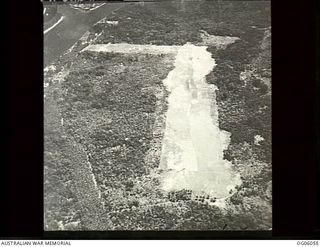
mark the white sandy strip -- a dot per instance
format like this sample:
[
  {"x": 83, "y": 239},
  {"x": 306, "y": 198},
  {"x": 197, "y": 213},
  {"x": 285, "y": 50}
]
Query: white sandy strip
[
  {"x": 133, "y": 49},
  {"x": 54, "y": 25},
  {"x": 220, "y": 42},
  {"x": 97, "y": 6},
  {"x": 105, "y": 21},
  {"x": 85, "y": 7},
  {"x": 193, "y": 145}
]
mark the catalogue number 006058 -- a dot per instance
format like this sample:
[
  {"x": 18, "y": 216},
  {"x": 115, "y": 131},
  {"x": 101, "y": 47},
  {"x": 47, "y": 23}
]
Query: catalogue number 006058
[{"x": 307, "y": 242}]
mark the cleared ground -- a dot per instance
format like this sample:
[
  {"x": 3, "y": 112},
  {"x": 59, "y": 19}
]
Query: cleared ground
[{"x": 193, "y": 144}]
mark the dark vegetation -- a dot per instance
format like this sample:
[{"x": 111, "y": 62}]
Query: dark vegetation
[
  {"x": 110, "y": 110},
  {"x": 108, "y": 103},
  {"x": 60, "y": 202},
  {"x": 175, "y": 24},
  {"x": 245, "y": 111}
]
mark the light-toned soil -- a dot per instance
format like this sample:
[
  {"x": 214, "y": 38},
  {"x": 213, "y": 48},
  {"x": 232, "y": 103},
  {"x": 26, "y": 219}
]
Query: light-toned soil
[{"x": 192, "y": 151}]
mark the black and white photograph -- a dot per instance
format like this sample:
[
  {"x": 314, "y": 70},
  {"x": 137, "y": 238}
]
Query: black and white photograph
[{"x": 157, "y": 116}]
